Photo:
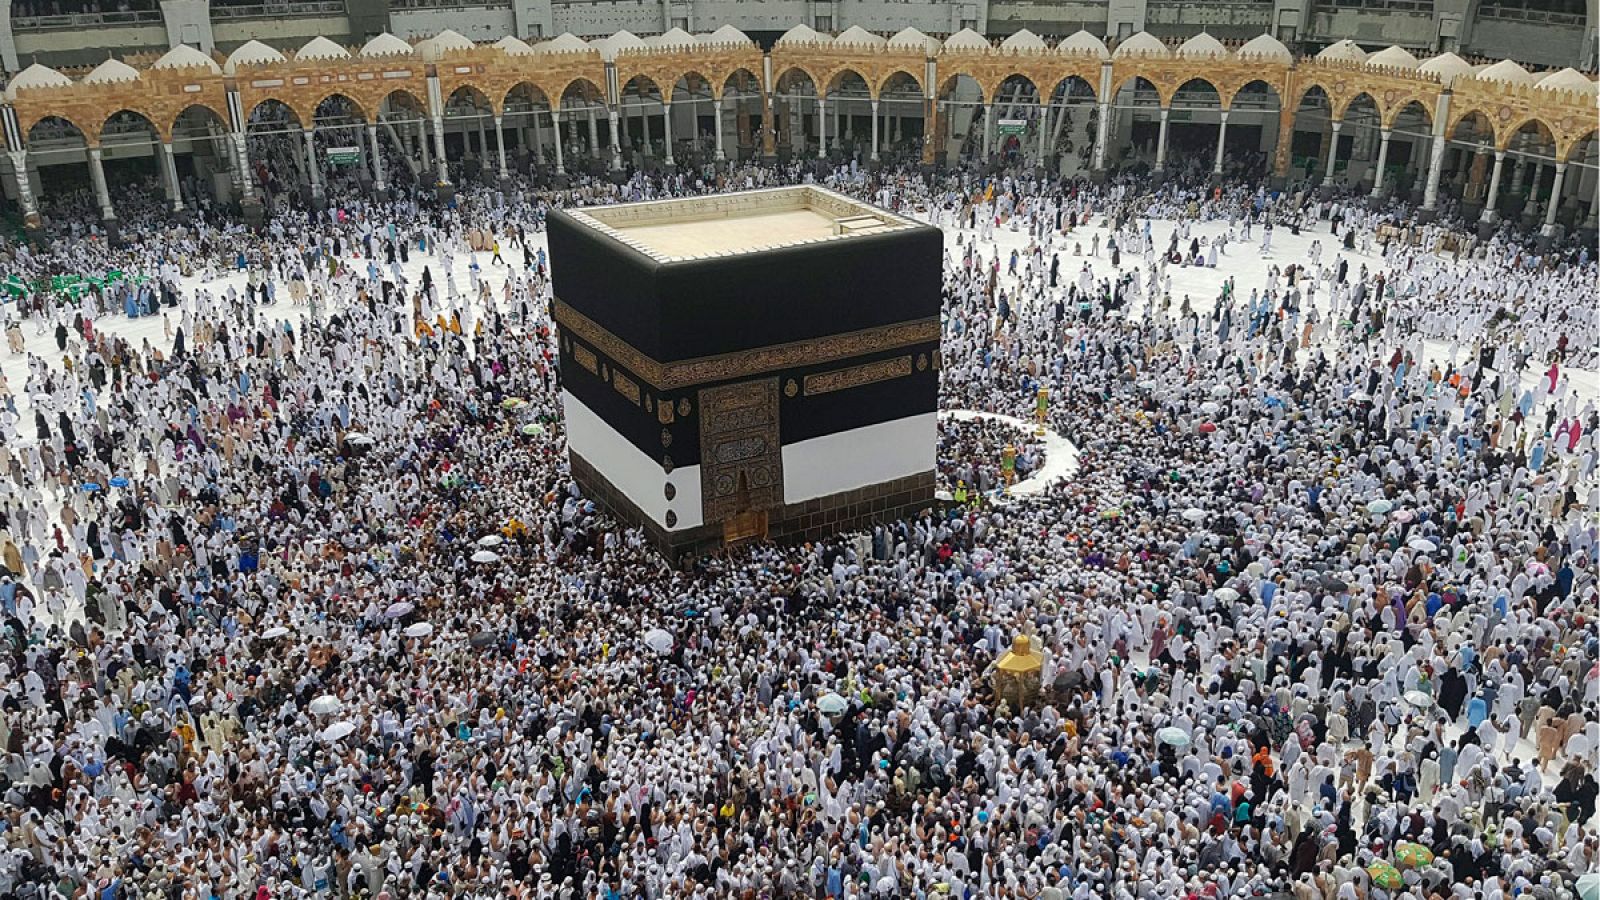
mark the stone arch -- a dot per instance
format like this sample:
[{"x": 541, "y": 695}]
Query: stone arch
[
  {"x": 638, "y": 81},
  {"x": 890, "y": 73},
  {"x": 1069, "y": 81},
  {"x": 270, "y": 101},
  {"x": 535, "y": 95},
  {"x": 1504, "y": 136},
  {"x": 420, "y": 101},
  {"x": 220, "y": 115},
  {"x": 197, "y": 114},
  {"x": 1566, "y": 151},
  {"x": 1271, "y": 90},
  {"x": 1457, "y": 116},
  {"x": 1466, "y": 116},
  {"x": 1341, "y": 107},
  {"x": 583, "y": 87},
  {"x": 153, "y": 122},
  {"x": 793, "y": 69},
  {"x": 90, "y": 137},
  {"x": 1304, "y": 89},
  {"x": 1392, "y": 115},
  {"x": 420, "y": 104},
  {"x": 948, "y": 80},
  {"x": 360, "y": 109},
  {"x": 684, "y": 78},
  {"x": 1134, "y": 79},
  {"x": 1195, "y": 84},
  {"x": 835, "y": 80},
  {"x": 1136, "y": 83},
  {"x": 993, "y": 90},
  {"x": 740, "y": 72}
]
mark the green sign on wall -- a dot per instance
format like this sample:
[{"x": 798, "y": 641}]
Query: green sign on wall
[{"x": 1012, "y": 126}]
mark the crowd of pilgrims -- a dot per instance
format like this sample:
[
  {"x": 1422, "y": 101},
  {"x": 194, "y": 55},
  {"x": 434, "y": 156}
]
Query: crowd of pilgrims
[
  {"x": 979, "y": 456},
  {"x": 300, "y": 599}
]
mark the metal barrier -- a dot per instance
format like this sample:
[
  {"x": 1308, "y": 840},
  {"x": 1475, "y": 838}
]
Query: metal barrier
[
  {"x": 299, "y": 9},
  {"x": 86, "y": 20}
]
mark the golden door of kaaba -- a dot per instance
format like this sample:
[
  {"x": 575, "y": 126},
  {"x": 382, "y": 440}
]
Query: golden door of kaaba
[{"x": 741, "y": 457}]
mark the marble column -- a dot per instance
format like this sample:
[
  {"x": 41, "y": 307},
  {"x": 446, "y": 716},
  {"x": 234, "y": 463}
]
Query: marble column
[
  {"x": 1430, "y": 194},
  {"x": 97, "y": 174},
  {"x": 1222, "y": 140},
  {"x": 1333, "y": 152},
  {"x": 172, "y": 175},
  {"x": 666, "y": 133},
  {"x": 313, "y": 171},
  {"x": 441, "y": 164},
  {"x": 616, "y": 141},
  {"x": 1555, "y": 200},
  {"x": 500, "y": 145},
  {"x": 555, "y": 129},
  {"x": 377, "y": 157},
  {"x": 1493, "y": 197},
  {"x": 1161, "y": 141},
  {"x": 1101, "y": 133},
  {"x": 874, "y": 131},
  {"x": 1383, "y": 160},
  {"x": 25, "y": 197},
  {"x": 822, "y": 127}
]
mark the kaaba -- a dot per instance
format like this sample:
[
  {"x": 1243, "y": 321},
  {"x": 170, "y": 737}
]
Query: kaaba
[{"x": 752, "y": 365}]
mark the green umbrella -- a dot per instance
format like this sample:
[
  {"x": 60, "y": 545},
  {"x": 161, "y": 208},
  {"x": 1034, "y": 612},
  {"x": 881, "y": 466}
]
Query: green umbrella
[
  {"x": 1589, "y": 886},
  {"x": 532, "y": 428},
  {"x": 1384, "y": 875},
  {"x": 1413, "y": 855}
]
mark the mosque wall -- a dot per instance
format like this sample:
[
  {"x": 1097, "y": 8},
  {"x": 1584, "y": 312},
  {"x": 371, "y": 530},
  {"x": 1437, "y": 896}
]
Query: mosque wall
[
  {"x": 285, "y": 31},
  {"x": 88, "y": 46},
  {"x": 476, "y": 22},
  {"x": 1412, "y": 30},
  {"x": 599, "y": 18},
  {"x": 1531, "y": 42},
  {"x": 709, "y": 15}
]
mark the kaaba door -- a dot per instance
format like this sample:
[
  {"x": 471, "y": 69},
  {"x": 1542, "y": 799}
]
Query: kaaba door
[{"x": 741, "y": 457}]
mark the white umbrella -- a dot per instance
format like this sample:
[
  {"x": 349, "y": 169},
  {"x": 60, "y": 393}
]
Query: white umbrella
[
  {"x": 421, "y": 629},
  {"x": 275, "y": 632},
  {"x": 398, "y": 609},
  {"x": 1209, "y": 407},
  {"x": 1173, "y": 735},
  {"x": 1220, "y": 390},
  {"x": 1358, "y": 396},
  {"x": 1422, "y": 544},
  {"x": 337, "y": 731},
  {"x": 491, "y": 540},
  {"x": 658, "y": 639},
  {"x": 326, "y": 705},
  {"x": 1589, "y": 886},
  {"x": 485, "y": 556},
  {"x": 832, "y": 704},
  {"x": 1419, "y": 699},
  {"x": 359, "y": 439},
  {"x": 1194, "y": 514},
  {"x": 1379, "y": 507},
  {"x": 1226, "y": 594}
]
